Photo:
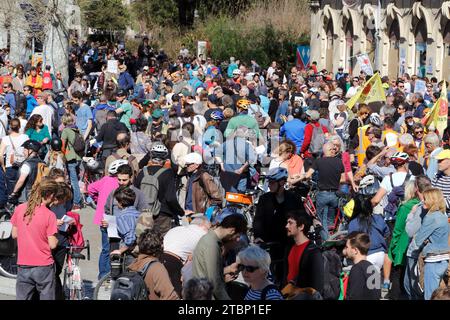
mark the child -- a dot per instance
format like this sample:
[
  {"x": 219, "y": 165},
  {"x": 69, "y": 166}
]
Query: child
[
  {"x": 364, "y": 279},
  {"x": 126, "y": 220}
]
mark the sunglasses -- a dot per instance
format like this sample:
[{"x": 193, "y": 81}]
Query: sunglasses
[
  {"x": 417, "y": 132},
  {"x": 401, "y": 108},
  {"x": 250, "y": 269}
]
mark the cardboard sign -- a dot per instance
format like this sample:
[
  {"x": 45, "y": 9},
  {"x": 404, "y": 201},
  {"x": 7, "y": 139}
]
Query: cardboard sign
[{"x": 113, "y": 66}]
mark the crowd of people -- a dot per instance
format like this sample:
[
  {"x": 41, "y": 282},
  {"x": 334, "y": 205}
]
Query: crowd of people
[{"x": 160, "y": 143}]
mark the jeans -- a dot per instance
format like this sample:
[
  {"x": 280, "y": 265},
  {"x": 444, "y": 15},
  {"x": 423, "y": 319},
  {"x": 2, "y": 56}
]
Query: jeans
[
  {"x": 326, "y": 204},
  {"x": 104, "y": 266},
  {"x": 31, "y": 279},
  {"x": 73, "y": 168},
  {"x": 11, "y": 176},
  {"x": 434, "y": 272},
  {"x": 411, "y": 282}
]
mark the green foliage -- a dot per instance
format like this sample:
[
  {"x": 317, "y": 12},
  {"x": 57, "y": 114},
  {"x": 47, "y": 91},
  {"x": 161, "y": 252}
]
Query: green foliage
[
  {"x": 156, "y": 12},
  {"x": 109, "y": 15},
  {"x": 264, "y": 44}
]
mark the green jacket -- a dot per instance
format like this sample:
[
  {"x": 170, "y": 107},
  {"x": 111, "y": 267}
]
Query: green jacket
[
  {"x": 400, "y": 239},
  {"x": 207, "y": 263}
]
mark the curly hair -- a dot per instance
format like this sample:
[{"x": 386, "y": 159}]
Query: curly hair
[{"x": 150, "y": 242}]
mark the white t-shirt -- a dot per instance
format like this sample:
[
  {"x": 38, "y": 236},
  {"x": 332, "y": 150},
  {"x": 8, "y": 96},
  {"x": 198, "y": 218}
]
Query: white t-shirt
[
  {"x": 17, "y": 141},
  {"x": 183, "y": 240},
  {"x": 23, "y": 124},
  {"x": 398, "y": 178},
  {"x": 351, "y": 91},
  {"x": 47, "y": 114}
]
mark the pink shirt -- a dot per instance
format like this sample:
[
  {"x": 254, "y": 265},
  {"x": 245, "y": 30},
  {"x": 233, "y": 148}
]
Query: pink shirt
[
  {"x": 99, "y": 191},
  {"x": 32, "y": 239}
]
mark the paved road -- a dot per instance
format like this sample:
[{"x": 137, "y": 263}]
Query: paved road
[{"x": 89, "y": 269}]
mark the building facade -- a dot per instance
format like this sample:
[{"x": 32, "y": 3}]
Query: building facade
[{"x": 399, "y": 36}]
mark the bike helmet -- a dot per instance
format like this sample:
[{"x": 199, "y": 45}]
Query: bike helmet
[
  {"x": 217, "y": 115},
  {"x": 399, "y": 158},
  {"x": 277, "y": 174},
  {"x": 56, "y": 144},
  {"x": 159, "y": 151},
  {"x": 243, "y": 104},
  {"x": 32, "y": 145},
  {"x": 92, "y": 164},
  {"x": 369, "y": 185},
  {"x": 375, "y": 119},
  {"x": 114, "y": 166}
]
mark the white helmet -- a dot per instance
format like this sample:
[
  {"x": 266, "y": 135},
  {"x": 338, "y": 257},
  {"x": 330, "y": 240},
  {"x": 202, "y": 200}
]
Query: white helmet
[
  {"x": 114, "y": 166},
  {"x": 375, "y": 119},
  {"x": 159, "y": 151}
]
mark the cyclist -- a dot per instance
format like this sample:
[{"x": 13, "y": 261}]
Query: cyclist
[{"x": 271, "y": 214}]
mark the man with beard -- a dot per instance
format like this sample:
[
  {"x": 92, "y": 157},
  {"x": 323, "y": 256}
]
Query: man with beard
[{"x": 207, "y": 258}]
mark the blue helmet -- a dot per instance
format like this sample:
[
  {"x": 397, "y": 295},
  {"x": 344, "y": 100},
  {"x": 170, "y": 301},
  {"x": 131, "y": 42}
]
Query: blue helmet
[
  {"x": 217, "y": 115},
  {"x": 277, "y": 174}
]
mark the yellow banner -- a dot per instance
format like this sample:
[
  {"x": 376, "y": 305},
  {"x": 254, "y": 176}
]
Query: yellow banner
[
  {"x": 371, "y": 91},
  {"x": 437, "y": 116}
]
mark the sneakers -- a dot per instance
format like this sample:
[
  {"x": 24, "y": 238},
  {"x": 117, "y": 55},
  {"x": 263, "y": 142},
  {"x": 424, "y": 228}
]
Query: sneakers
[
  {"x": 76, "y": 207},
  {"x": 385, "y": 290}
]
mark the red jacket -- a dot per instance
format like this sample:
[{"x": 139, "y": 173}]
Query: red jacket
[{"x": 307, "y": 139}]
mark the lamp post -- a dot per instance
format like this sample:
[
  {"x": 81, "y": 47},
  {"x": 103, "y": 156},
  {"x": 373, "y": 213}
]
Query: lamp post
[{"x": 378, "y": 35}]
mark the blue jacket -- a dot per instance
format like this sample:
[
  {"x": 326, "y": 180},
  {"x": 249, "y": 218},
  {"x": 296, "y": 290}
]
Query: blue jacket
[
  {"x": 434, "y": 228},
  {"x": 378, "y": 232},
  {"x": 282, "y": 110},
  {"x": 294, "y": 130},
  {"x": 102, "y": 106},
  {"x": 31, "y": 104},
  {"x": 126, "y": 225},
  {"x": 125, "y": 81}
]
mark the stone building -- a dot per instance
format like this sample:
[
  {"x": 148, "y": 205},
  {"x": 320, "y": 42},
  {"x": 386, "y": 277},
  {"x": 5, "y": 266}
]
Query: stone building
[
  {"x": 398, "y": 35},
  {"x": 17, "y": 21}
]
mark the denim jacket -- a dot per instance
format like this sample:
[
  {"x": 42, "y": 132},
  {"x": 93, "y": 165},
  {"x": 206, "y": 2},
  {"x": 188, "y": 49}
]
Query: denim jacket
[
  {"x": 435, "y": 229},
  {"x": 413, "y": 223}
]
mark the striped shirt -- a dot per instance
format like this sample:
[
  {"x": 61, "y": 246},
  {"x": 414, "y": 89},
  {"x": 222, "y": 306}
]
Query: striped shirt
[
  {"x": 272, "y": 294},
  {"x": 442, "y": 182},
  {"x": 126, "y": 225}
]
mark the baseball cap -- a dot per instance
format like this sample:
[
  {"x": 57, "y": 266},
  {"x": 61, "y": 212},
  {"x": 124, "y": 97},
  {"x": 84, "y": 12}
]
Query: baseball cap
[
  {"x": 145, "y": 68},
  {"x": 236, "y": 72},
  {"x": 314, "y": 114},
  {"x": 193, "y": 158},
  {"x": 444, "y": 154},
  {"x": 158, "y": 113}
]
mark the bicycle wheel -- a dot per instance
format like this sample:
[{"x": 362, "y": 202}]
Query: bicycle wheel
[
  {"x": 8, "y": 266},
  {"x": 103, "y": 288}
]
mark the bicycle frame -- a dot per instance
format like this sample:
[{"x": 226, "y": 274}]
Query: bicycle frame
[{"x": 73, "y": 282}]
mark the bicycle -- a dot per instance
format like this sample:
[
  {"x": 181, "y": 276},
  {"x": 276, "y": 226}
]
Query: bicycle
[
  {"x": 104, "y": 287},
  {"x": 8, "y": 245},
  {"x": 73, "y": 283}
]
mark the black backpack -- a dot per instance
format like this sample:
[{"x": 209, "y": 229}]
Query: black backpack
[
  {"x": 332, "y": 268},
  {"x": 78, "y": 144},
  {"x": 130, "y": 285}
]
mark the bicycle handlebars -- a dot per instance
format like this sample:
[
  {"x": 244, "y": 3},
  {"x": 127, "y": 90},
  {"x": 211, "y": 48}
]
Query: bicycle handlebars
[{"x": 87, "y": 246}]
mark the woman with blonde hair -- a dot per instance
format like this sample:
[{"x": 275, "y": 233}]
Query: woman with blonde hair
[
  {"x": 433, "y": 238},
  {"x": 286, "y": 157}
]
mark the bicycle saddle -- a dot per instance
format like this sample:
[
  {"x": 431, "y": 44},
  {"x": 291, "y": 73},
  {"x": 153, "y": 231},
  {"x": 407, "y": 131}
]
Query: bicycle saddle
[{"x": 76, "y": 255}]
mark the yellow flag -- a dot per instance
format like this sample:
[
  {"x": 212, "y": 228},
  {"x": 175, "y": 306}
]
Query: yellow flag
[
  {"x": 371, "y": 91},
  {"x": 437, "y": 116}
]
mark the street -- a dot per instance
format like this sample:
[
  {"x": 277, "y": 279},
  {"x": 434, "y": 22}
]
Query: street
[{"x": 89, "y": 269}]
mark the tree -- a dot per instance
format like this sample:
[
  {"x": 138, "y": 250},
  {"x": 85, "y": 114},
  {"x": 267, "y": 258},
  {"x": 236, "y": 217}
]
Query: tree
[
  {"x": 156, "y": 13},
  {"x": 107, "y": 15}
]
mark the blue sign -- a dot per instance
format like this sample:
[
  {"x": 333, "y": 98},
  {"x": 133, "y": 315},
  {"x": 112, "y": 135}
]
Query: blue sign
[{"x": 303, "y": 57}]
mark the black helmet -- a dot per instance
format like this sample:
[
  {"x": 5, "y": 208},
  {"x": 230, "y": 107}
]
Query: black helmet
[
  {"x": 32, "y": 145},
  {"x": 56, "y": 144}
]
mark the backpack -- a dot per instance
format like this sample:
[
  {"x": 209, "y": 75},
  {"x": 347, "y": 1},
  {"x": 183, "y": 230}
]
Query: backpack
[
  {"x": 317, "y": 140},
  {"x": 74, "y": 232},
  {"x": 136, "y": 112},
  {"x": 41, "y": 171},
  {"x": 21, "y": 102},
  {"x": 345, "y": 131},
  {"x": 150, "y": 187},
  {"x": 78, "y": 144},
  {"x": 266, "y": 290},
  {"x": 395, "y": 197},
  {"x": 130, "y": 285},
  {"x": 332, "y": 268}
]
